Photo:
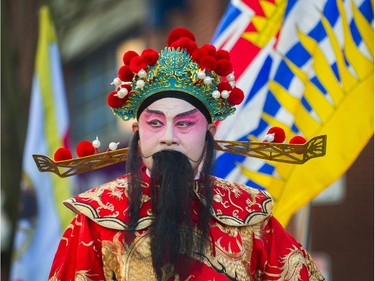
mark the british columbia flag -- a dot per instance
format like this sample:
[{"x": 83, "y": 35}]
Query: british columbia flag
[{"x": 307, "y": 67}]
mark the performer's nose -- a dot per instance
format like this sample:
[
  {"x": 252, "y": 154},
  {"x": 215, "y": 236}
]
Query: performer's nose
[{"x": 168, "y": 137}]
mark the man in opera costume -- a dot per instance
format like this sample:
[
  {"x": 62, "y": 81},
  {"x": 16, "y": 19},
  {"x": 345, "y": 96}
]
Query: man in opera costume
[{"x": 168, "y": 218}]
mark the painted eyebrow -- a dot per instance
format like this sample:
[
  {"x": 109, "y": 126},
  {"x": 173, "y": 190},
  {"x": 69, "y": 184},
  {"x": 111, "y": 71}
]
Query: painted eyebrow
[{"x": 186, "y": 113}]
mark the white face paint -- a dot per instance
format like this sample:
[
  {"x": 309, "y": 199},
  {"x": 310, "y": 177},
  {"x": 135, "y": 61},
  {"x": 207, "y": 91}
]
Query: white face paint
[{"x": 173, "y": 124}]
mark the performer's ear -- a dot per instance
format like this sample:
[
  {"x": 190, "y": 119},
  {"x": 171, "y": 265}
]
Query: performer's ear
[
  {"x": 134, "y": 127},
  {"x": 212, "y": 128}
]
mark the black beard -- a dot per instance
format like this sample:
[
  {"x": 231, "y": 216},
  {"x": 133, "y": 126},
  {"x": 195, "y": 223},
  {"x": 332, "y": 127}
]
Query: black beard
[
  {"x": 172, "y": 194},
  {"x": 173, "y": 232}
]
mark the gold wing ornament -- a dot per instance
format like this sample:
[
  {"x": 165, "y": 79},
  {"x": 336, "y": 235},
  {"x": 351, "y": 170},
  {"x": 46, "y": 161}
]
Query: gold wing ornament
[{"x": 278, "y": 152}]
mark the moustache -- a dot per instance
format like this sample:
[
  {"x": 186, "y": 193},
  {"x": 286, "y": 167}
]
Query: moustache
[{"x": 172, "y": 150}]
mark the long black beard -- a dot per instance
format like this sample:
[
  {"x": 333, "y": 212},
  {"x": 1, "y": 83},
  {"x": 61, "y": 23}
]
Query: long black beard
[
  {"x": 173, "y": 230},
  {"x": 172, "y": 184}
]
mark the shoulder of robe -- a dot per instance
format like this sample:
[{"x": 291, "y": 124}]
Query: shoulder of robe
[
  {"x": 105, "y": 204},
  {"x": 239, "y": 205}
]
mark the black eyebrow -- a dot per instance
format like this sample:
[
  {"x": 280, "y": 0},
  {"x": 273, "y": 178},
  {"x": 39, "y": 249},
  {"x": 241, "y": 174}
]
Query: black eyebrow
[{"x": 158, "y": 112}]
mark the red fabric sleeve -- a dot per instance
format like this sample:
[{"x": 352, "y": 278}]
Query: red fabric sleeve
[
  {"x": 278, "y": 256},
  {"x": 79, "y": 253}
]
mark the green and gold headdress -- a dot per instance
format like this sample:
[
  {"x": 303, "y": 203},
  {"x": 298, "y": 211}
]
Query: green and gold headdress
[{"x": 202, "y": 76}]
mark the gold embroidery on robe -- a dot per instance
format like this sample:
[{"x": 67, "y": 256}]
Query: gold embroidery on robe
[
  {"x": 235, "y": 265},
  {"x": 291, "y": 268}
]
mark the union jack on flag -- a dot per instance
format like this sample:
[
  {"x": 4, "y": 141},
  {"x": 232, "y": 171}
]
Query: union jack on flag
[{"x": 305, "y": 66}]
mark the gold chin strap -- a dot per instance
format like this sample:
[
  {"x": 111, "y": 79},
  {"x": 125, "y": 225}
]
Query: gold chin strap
[{"x": 279, "y": 152}]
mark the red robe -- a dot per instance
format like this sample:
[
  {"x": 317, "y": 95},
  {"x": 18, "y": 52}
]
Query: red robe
[{"x": 246, "y": 241}]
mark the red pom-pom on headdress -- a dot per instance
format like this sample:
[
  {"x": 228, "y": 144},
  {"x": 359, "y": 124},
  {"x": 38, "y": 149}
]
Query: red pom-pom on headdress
[
  {"x": 178, "y": 33},
  {"x": 278, "y": 134},
  {"x": 222, "y": 54},
  {"x": 208, "y": 63},
  {"x": 85, "y": 148},
  {"x": 223, "y": 67},
  {"x": 150, "y": 56},
  {"x": 128, "y": 56},
  {"x": 137, "y": 63},
  {"x": 125, "y": 74},
  {"x": 236, "y": 96},
  {"x": 185, "y": 43},
  {"x": 62, "y": 153},
  {"x": 297, "y": 140},
  {"x": 198, "y": 54},
  {"x": 224, "y": 86},
  {"x": 114, "y": 101},
  {"x": 211, "y": 49}
]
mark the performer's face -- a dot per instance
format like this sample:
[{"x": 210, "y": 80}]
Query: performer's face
[{"x": 173, "y": 124}]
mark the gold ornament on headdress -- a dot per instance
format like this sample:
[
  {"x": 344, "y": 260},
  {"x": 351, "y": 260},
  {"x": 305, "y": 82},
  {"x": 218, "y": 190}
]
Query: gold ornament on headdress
[{"x": 278, "y": 152}]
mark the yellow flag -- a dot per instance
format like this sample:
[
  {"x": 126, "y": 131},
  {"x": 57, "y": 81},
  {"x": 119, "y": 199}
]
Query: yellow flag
[{"x": 42, "y": 217}]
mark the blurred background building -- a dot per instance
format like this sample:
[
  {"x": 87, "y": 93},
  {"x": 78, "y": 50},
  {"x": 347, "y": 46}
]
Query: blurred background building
[{"x": 92, "y": 36}]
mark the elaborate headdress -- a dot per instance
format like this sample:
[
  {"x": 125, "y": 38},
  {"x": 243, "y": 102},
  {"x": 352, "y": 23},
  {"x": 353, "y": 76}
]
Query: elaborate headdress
[{"x": 202, "y": 76}]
